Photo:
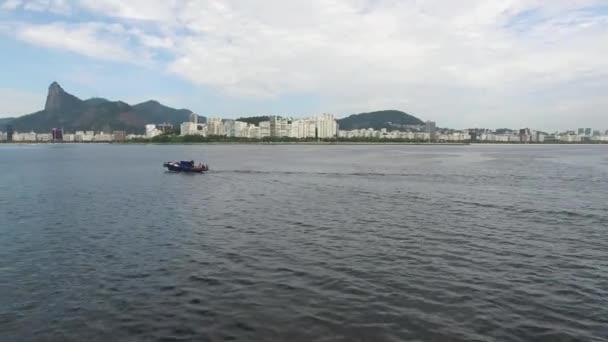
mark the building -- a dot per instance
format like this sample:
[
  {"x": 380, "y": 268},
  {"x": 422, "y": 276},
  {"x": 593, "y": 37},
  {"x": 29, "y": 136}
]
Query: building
[
  {"x": 327, "y": 126},
  {"x": 264, "y": 129},
  {"x": 152, "y": 131},
  {"x": 68, "y": 137},
  {"x": 105, "y": 137},
  {"x": 236, "y": 129},
  {"x": 82, "y": 136},
  {"x": 9, "y": 133},
  {"x": 119, "y": 135},
  {"x": 473, "y": 135},
  {"x": 165, "y": 128},
  {"x": 135, "y": 136},
  {"x": 570, "y": 138},
  {"x": 430, "y": 128},
  {"x": 279, "y": 127},
  {"x": 192, "y": 127},
  {"x": 240, "y": 129},
  {"x": 44, "y": 137},
  {"x": 57, "y": 134},
  {"x": 187, "y": 128},
  {"x": 31, "y": 136},
  {"x": 525, "y": 136},
  {"x": 2, "y": 136},
  {"x": 252, "y": 131},
  {"x": 304, "y": 128},
  {"x": 581, "y": 131},
  {"x": 194, "y": 118},
  {"x": 215, "y": 127},
  {"x": 588, "y": 132}
]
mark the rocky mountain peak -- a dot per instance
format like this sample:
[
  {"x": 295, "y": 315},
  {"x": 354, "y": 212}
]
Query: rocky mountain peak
[{"x": 57, "y": 99}]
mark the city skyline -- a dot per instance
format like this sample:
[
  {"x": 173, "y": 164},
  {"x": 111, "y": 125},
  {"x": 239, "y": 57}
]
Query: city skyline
[
  {"x": 319, "y": 127},
  {"x": 495, "y": 63}
]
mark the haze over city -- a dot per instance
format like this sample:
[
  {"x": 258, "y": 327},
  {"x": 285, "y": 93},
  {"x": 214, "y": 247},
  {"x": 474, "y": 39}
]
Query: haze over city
[{"x": 475, "y": 63}]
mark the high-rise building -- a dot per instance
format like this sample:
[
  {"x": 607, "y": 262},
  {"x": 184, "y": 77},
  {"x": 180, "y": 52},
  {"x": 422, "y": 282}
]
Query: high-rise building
[
  {"x": 525, "y": 135},
  {"x": 279, "y": 127},
  {"x": 57, "y": 134},
  {"x": 430, "y": 129},
  {"x": 473, "y": 135},
  {"x": 165, "y": 127},
  {"x": 215, "y": 126},
  {"x": 240, "y": 130},
  {"x": 326, "y": 126},
  {"x": 9, "y": 133},
  {"x": 152, "y": 131},
  {"x": 264, "y": 129},
  {"x": 187, "y": 128},
  {"x": 581, "y": 131},
  {"x": 194, "y": 118},
  {"x": 588, "y": 132}
]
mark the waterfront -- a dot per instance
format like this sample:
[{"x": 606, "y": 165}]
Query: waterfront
[{"x": 302, "y": 243}]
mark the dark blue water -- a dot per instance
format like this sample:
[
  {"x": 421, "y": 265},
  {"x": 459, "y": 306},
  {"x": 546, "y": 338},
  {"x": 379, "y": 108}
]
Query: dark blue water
[{"x": 304, "y": 243}]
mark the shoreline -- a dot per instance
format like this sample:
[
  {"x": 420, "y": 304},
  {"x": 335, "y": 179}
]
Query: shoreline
[
  {"x": 319, "y": 143},
  {"x": 226, "y": 143}
]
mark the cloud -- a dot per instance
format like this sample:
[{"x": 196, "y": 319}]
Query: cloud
[
  {"x": 53, "y": 6},
  {"x": 447, "y": 59},
  {"x": 97, "y": 40},
  {"x": 10, "y": 4}
]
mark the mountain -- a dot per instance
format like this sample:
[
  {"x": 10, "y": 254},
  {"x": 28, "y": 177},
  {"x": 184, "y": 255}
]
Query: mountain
[
  {"x": 96, "y": 114},
  {"x": 255, "y": 120},
  {"x": 389, "y": 119},
  {"x": 4, "y": 122}
]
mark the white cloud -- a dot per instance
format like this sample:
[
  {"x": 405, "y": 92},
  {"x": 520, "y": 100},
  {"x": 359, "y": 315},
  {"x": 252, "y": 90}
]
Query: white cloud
[
  {"x": 458, "y": 62},
  {"x": 10, "y": 4},
  {"x": 53, "y": 6},
  {"x": 98, "y": 40}
]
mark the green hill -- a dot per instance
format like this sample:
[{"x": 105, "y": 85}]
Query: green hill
[
  {"x": 4, "y": 122},
  {"x": 389, "y": 119},
  {"x": 72, "y": 114},
  {"x": 255, "y": 120}
]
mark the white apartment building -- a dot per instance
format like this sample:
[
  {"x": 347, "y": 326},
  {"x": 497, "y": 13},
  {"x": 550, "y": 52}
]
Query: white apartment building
[
  {"x": 152, "y": 131},
  {"x": 326, "y": 126},
  {"x": 280, "y": 127},
  {"x": 215, "y": 126},
  {"x": 264, "y": 129},
  {"x": 253, "y": 132},
  {"x": 570, "y": 138},
  {"x": 303, "y": 128},
  {"x": 188, "y": 128},
  {"x": 44, "y": 137},
  {"x": 237, "y": 129},
  {"x": 3, "y": 136},
  {"x": 101, "y": 136},
  {"x": 31, "y": 136}
]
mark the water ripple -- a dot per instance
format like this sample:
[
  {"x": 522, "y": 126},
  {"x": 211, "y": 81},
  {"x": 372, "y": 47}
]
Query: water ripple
[{"x": 301, "y": 243}]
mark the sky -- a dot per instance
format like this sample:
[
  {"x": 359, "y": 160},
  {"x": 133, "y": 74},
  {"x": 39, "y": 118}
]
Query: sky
[{"x": 541, "y": 64}]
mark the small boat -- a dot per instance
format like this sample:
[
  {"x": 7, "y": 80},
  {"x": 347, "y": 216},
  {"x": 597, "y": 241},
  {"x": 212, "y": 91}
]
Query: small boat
[{"x": 186, "y": 166}]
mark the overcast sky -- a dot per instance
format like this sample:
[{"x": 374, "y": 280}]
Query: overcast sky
[{"x": 467, "y": 63}]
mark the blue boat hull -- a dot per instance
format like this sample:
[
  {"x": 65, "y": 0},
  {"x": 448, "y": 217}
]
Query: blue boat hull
[{"x": 176, "y": 167}]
